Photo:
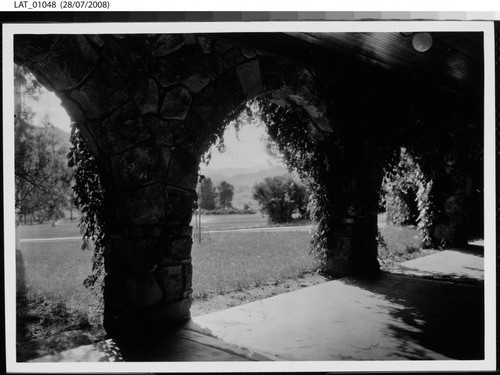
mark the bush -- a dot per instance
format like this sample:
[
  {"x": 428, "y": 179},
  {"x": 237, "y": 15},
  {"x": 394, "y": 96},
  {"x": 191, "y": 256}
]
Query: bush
[
  {"x": 406, "y": 195},
  {"x": 280, "y": 196},
  {"x": 229, "y": 211}
]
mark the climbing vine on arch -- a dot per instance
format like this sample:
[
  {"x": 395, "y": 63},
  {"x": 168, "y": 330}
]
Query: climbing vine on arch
[
  {"x": 89, "y": 198},
  {"x": 292, "y": 138},
  {"x": 405, "y": 185}
]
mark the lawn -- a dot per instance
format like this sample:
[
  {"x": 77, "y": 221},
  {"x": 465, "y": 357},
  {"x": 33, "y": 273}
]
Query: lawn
[
  {"x": 66, "y": 229},
  {"x": 50, "y": 274},
  {"x": 234, "y": 261}
]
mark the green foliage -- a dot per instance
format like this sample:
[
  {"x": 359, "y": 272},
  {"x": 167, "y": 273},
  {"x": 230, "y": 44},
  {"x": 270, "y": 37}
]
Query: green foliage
[
  {"x": 225, "y": 194},
  {"x": 89, "y": 198},
  {"x": 280, "y": 196},
  {"x": 207, "y": 194},
  {"x": 292, "y": 140},
  {"x": 397, "y": 244},
  {"x": 406, "y": 195},
  {"x": 41, "y": 175},
  {"x": 230, "y": 211},
  {"x": 25, "y": 84}
]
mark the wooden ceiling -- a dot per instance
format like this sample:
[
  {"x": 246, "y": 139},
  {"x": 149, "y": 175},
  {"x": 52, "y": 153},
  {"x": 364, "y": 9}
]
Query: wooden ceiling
[{"x": 454, "y": 61}]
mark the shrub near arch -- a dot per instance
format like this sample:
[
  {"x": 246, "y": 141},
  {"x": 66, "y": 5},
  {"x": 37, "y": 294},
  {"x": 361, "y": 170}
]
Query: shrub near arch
[{"x": 296, "y": 142}]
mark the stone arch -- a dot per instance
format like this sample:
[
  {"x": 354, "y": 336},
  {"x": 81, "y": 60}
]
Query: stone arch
[
  {"x": 445, "y": 134},
  {"x": 148, "y": 106}
]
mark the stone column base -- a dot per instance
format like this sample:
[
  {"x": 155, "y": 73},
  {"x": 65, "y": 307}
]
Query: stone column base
[
  {"x": 356, "y": 250},
  {"x": 130, "y": 321}
]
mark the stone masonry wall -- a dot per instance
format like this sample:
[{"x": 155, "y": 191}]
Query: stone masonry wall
[{"x": 149, "y": 106}]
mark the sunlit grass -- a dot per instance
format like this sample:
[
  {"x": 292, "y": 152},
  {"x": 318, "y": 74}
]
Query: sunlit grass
[
  {"x": 66, "y": 229},
  {"x": 234, "y": 261},
  {"x": 399, "y": 244},
  {"x": 51, "y": 273}
]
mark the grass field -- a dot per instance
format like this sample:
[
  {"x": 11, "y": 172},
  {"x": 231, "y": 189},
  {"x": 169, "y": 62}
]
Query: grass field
[
  {"x": 234, "y": 261},
  {"x": 50, "y": 274}
]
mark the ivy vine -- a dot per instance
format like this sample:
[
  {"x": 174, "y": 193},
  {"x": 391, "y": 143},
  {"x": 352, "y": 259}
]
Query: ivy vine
[
  {"x": 292, "y": 137},
  {"x": 407, "y": 195},
  {"x": 89, "y": 198}
]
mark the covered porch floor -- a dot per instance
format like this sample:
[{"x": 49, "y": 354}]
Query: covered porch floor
[{"x": 433, "y": 309}]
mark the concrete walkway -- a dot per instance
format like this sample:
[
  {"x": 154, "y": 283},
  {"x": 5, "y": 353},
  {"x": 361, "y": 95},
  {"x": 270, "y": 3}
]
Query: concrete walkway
[{"x": 394, "y": 317}]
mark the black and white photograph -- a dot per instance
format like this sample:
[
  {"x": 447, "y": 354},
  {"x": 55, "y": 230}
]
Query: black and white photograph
[{"x": 250, "y": 196}]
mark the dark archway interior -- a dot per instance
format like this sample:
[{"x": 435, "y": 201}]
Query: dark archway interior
[{"x": 149, "y": 106}]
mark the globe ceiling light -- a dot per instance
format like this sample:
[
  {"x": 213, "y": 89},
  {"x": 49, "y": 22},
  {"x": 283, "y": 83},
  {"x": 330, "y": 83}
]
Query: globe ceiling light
[{"x": 422, "y": 42}]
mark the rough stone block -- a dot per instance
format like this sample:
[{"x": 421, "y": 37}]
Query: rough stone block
[
  {"x": 166, "y": 154},
  {"x": 142, "y": 291},
  {"x": 214, "y": 103},
  {"x": 196, "y": 77},
  {"x": 232, "y": 58},
  {"x": 34, "y": 48},
  {"x": 189, "y": 38},
  {"x": 164, "y": 72},
  {"x": 142, "y": 206},
  {"x": 248, "y": 53},
  {"x": 166, "y": 44},
  {"x": 188, "y": 276},
  {"x": 316, "y": 109},
  {"x": 179, "y": 230},
  {"x": 324, "y": 124},
  {"x": 180, "y": 205},
  {"x": 136, "y": 257},
  {"x": 121, "y": 59},
  {"x": 147, "y": 98},
  {"x": 453, "y": 205},
  {"x": 137, "y": 166},
  {"x": 165, "y": 248},
  {"x": 102, "y": 92},
  {"x": 176, "y": 104},
  {"x": 181, "y": 247},
  {"x": 314, "y": 134},
  {"x": 172, "y": 282},
  {"x": 205, "y": 43},
  {"x": 214, "y": 65},
  {"x": 276, "y": 73},
  {"x": 71, "y": 59},
  {"x": 304, "y": 88},
  {"x": 122, "y": 231},
  {"x": 162, "y": 133},
  {"x": 173, "y": 312},
  {"x": 73, "y": 110},
  {"x": 183, "y": 169},
  {"x": 221, "y": 46},
  {"x": 124, "y": 128},
  {"x": 186, "y": 230},
  {"x": 249, "y": 74}
]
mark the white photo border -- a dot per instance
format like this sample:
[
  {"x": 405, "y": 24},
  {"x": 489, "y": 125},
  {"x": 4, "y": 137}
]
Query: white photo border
[{"x": 487, "y": 27}]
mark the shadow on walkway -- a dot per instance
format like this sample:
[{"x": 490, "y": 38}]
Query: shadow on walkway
[
  {"x": 392, "y": 317},
  {"x": 444, "y": 317}
]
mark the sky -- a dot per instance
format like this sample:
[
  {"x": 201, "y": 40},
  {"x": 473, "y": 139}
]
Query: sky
[{"x": 243, "y": 150}]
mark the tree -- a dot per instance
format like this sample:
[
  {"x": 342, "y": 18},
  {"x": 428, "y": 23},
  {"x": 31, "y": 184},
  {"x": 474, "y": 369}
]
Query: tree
[
  {"x": 280, "y": 196},
  {"x": 226, "y": 192},
  {"x": 42, "y": 176},
  {"x": 207, "y": 194}
]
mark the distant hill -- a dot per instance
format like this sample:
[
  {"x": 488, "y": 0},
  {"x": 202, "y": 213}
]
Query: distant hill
[
  {"x": 243, "y": 176},
  {"x": 243, "y": 181},
  {"x": 227, "y": 172},
  {"x": 62, "y": 137}
]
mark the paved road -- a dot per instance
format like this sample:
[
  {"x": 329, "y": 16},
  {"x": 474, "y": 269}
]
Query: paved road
[{"x": 302, "y": 228}]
